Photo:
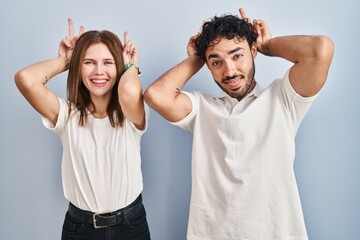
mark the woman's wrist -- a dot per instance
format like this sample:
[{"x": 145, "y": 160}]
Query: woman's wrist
[
  {"x": 64, "y": 62},
  {"x": 131, "y": 64}
]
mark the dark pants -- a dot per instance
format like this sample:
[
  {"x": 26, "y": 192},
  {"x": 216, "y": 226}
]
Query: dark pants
[{"x": 133, "y": 227}]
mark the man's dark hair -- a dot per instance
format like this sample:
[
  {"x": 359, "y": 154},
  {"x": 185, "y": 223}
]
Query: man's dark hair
[{"x": 225, "y": 26}]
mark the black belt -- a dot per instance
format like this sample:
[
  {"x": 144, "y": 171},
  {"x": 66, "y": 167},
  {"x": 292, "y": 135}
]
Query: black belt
[{"x": 101, "y": 220}]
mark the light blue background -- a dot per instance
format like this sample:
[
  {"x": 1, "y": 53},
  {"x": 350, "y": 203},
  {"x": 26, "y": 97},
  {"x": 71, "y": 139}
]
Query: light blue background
[{"x": 32, "y": 205}]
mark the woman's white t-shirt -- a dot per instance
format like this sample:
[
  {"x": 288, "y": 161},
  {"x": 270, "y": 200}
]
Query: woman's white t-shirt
[{"x": 101, "y": 165}]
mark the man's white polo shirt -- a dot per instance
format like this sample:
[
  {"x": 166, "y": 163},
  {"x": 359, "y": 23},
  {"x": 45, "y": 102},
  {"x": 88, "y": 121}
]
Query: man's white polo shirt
[{"x": 243, "y": 183}]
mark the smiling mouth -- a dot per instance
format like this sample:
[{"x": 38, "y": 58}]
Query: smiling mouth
[
  {"x": 233, "y": 78},
  {"x": 99, "y": 82},
  {"x": 233, "y": 83}
]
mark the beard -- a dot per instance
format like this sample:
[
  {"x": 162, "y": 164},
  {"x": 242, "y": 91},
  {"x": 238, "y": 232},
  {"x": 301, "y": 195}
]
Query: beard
[{"x": 243, "y": 90}]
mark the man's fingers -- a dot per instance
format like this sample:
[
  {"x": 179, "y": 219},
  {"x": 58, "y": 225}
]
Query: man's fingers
[{"x": 244, "y": 15}]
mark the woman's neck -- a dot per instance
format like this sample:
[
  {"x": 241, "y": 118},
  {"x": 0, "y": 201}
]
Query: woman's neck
[{"x": 99, "y": 107}]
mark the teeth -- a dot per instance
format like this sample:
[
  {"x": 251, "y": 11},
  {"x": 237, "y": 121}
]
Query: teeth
[
  {"x": 234, "y": 79},
  {"x": 231, "y": 80},
  {"x": 99, "y": 81}
]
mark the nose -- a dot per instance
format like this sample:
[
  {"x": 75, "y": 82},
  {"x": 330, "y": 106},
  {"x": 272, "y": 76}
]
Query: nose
[
  {"x": 230, "y": 68},
  {"x": 99, "y": 69}
]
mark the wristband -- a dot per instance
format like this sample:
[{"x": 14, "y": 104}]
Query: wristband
[{"x": 129, "y": 65}]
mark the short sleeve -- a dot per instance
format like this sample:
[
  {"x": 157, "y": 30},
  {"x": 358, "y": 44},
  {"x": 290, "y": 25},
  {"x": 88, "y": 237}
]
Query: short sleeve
[
  {"x": 296, "y": 104},
  {"x": 147, "y": 113},
  {"x": 187, "y": 122},
  {"x": 61, "y": 121}
]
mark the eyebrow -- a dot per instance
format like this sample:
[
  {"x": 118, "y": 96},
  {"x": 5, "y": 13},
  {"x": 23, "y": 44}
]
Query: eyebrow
[
  {"x": 105, "y": 59},
  {"x": 215, "y": 55}
]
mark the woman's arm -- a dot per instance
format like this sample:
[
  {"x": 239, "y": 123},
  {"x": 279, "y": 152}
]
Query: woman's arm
[
  {"x": 130, "y": 89},
  {"x": 32, "y": 79}
]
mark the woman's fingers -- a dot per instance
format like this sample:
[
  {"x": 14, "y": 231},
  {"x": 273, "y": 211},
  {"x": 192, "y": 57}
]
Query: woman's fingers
[
  {"x": 125, "y": 37},
  {"x": 129, "y": 46},
  {"x": 81, "y": 30},
  {"x": 129, "y": 50},
  {"x": 67, "y": 42},
  {"x": 71, "y": 27}
]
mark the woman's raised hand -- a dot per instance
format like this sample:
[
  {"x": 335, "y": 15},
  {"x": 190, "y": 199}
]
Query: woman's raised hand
[
  {"x": 130, "y": 53},
  {"x": 67, "y": 44}
]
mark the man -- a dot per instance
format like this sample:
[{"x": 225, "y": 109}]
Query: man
[{"x": 243, "y": 183}]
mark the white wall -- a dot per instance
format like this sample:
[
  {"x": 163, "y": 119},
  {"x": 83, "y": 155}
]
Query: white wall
[{"x": 32, "y": 205}]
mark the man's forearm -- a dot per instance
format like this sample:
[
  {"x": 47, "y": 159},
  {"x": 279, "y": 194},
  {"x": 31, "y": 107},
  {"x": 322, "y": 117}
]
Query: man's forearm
[
  {"x": 170, "y": 83},
  {"x": 294, "y": 48},
  {"x": 311, "y": 56},
  {"x": 165, "y": 96}
]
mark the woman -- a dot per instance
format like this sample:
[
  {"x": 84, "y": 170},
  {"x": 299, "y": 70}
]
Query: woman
[{"x": 100, "y": 126}]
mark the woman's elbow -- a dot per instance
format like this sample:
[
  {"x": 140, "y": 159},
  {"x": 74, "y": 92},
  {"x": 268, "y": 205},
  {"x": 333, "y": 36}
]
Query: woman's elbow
[
  {"x": 130, "y": 92},
  {"x": 21, "y": 80}
]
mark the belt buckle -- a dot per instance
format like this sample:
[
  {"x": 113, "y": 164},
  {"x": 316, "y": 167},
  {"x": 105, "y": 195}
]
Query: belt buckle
[{"x": 94, "y": 221}]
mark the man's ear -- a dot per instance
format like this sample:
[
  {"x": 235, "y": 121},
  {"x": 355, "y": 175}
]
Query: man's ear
[{"x": 253, "y": 50}]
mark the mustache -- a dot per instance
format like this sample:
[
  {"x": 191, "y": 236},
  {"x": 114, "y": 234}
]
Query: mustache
[{"x": 227, "y": 78}]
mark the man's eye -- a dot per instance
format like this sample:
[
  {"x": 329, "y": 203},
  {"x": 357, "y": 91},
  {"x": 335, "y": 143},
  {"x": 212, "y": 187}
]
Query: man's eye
[
  {"x": 237, "y": 56},
  {"x": 217, "y": 63}
]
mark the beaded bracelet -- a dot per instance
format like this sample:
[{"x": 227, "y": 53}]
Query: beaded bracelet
[{"x": 128, "y": 65}]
